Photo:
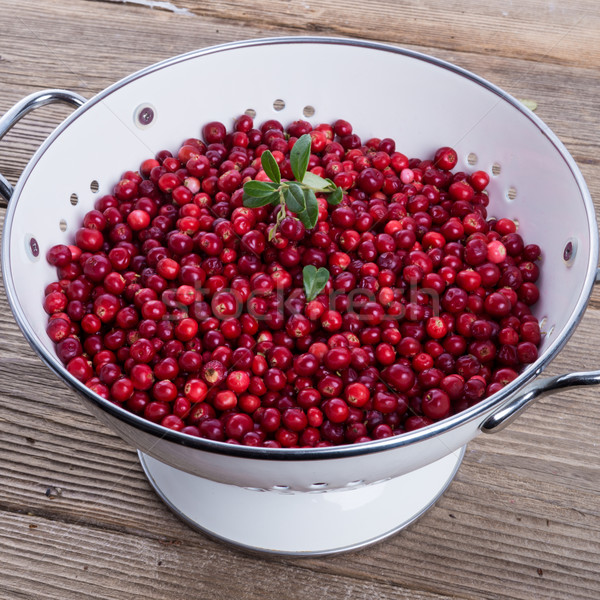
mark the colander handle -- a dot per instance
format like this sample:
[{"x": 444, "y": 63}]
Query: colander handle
[
  {"x": 19, "y": 110},
  {"x": 534, "y": 391}
]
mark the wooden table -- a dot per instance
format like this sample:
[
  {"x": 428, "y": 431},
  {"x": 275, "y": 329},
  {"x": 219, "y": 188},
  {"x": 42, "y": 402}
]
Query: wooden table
[{"x": 77, "y": 516}]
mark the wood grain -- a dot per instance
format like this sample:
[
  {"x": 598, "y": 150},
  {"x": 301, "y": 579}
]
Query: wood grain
[
  {"x": 96, "y": 563},
  {"x": 77, "y": 517},
  {"x": 551, "y": 32}
]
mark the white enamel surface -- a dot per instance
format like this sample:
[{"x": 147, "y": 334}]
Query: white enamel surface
[
  {"x": 420, "y": 104},
  {"x": 314, "y": 523}
]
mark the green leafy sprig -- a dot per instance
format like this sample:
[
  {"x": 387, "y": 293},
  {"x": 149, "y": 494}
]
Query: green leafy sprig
[
  {"x": 297, "y": 196},
  {"x": 314, "y": 280}
]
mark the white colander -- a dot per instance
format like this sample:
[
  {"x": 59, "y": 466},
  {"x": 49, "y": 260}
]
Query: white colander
[{"x": 323, "y": 500}]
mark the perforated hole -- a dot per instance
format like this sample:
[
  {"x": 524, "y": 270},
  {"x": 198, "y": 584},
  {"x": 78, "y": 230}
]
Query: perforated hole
[
  {"x": 33, "y": 248},
  {"x": 278, "y": 104},
  {"x": 281, "y": 488},
  {"x": 516, "y": 222},
  {"x": 74, "y": 199},
  {"x": 355, "y": 483},
  {"x": 496, "y": 169},
  {"x": 62, "y": 224},
  {"x": 308, "y": 111},
  {"x": 318, "y": 486},
  {"x": 512, "y": 193},
  {"x": 250, "y": 112},
  {"x": 545, "y": 329},
  {"x": 94, "y": 186},
  {"x": 570, "y": 251},
  {"x": 472, "y": 158}
]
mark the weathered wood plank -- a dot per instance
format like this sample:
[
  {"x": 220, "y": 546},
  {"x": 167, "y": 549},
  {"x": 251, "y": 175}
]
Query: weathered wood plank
[
  {"x": 101, "y": 564},
  {"x": 538, "y": 30}
]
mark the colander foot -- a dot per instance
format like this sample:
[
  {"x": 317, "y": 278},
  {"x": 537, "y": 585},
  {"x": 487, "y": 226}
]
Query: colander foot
[{"x": 313, "y": 523}]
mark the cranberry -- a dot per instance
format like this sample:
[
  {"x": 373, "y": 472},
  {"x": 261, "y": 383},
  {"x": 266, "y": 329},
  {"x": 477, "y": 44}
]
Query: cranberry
[
  {"x": 479, "y": 180},
  {"x": 80, "y": 368},
  {"x": 336, "y": 410},
  {"x": 357, "y": 394},
  {"x": 530, "y": 332},
  {"x": 238, "y": 425},
  {"x": 55, "y": 303},
  {"x": 445, "y": 158},
  {"x": 436, "y": 328},
  {"x": 454, "y": 300},
  {"x": 497, "y": 305},
  {"x": 400, "y": 377},
  {"x": 496, "y": 252},
  {"x": 89, "y": 239},
  {"x": 527, "y": 352},
  {"x": 238, "y": 381},
  {"x": 58, "y": 329},
  {"x": 59, "y": 255},
  {"x": 436, "y": 404},
  {"x": 528, "y": 293},
  {"x": 213, "y": 372}
]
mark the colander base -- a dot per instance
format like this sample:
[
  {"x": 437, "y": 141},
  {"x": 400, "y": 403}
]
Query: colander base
[{"x": 314, "y": 523}]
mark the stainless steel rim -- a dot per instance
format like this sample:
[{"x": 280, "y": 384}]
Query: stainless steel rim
[{"x": 420, "y": 435}]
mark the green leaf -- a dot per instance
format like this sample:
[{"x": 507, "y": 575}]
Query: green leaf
[
  {"x": 300, "y": 155},
  {"x": 269, "y": 164},
  {"x": 310, "y": 214},
  {"x": 318, "y": 184},
  {"x": 294, "y": 197},
  {"x": 336, "y": 196},
  {"x": 258, "y": 189},
  {"x": 257, "y": 201},
  {"x": 312, "y": 206},
  {"x": 314, "y": 280}
]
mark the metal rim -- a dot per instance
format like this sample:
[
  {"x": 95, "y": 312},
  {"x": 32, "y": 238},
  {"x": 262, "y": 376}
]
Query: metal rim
[{"x": 405, "y": 439}]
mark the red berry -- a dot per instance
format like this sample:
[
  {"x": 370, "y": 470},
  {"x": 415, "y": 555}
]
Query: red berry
[
  {"x": 445, "y": 158},
  {"x": 436, "y": 404},
  {"x": 195, "y": 390},
  {"x": 496, "y": 252},
  {"x": 225, "y": 400},
  {"x": 336, "y": 410},
  {"x": 436, "y": 328},
  {"x": 59, "y": 256},
  {"x": 138, "y": 219},
  {"x": 357, "y": 394},
  {"x": 238, "y": 381}
]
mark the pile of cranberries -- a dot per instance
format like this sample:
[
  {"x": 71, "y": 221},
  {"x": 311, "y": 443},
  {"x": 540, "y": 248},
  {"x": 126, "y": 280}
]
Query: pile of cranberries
[{"x": 181, "y": 305}]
